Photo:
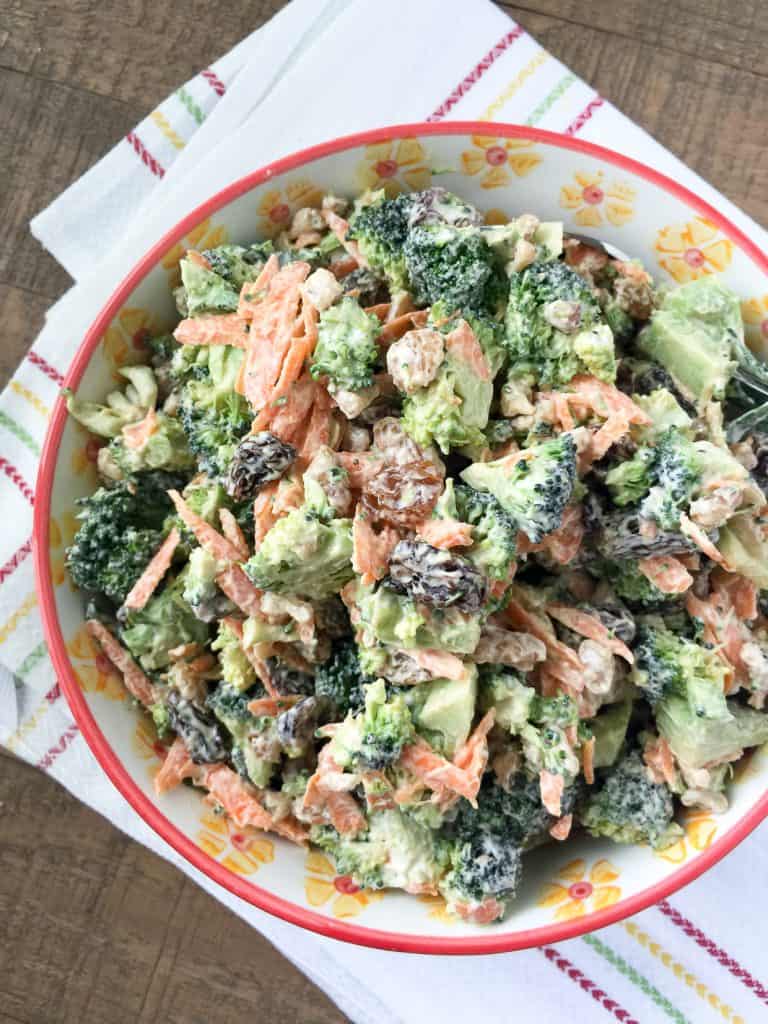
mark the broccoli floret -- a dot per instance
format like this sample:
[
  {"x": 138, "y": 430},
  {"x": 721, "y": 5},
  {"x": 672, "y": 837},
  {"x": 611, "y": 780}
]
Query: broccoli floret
[
  {"x": 200, "y": 590},
  {"x": 230, "y": 706},
  {"x": 629, "y": 482},
  {"x": 506, "y": 691},
  {"x": 630, "y": 584},
  {"x": 165, "y": 448},
  {"x": 454, "y": 265},
  {"x": 374, "y": 739},
  {"x": 630, "y": 808},
  {"x": 346, "y": 346},
  {"x": 666, "y": 663},
  {"x": 162, "y": 348},
  {"x": 676, "y": 473},
  {"x": 380, "y": 229},
  {"x": 301, "y": 555},
  {"x": 236, "y": 670},
  {"x": 238, "y": 264},
  {"x": 165, "y": 622},
  {"x": 494, "y": 531},
  {"x": 341, "y": 679},
  {"x": 484, "y": 867},
  {"x": 534, "y": 490},
  {"x": 161, "y": 719},
  {"x": 554, "y": 326},
  {"x": 397, "y": 620},
  {"x": 214, "y": 417},
  {"x": 120, "y": 408},
  {"x": 122, "y": 528}
]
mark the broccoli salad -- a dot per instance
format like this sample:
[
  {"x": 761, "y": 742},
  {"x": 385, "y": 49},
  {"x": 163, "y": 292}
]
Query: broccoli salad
[{"x": 427, "y": 542}]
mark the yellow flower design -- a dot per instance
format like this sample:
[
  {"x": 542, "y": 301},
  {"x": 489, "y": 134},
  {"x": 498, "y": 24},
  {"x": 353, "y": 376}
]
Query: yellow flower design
[
  {"x": 587, "y": 891},
  {"x": 691, "y": 250},
  {"x": 61, "y": 533},
  {"x": 93, "y": 670},
  {"x": 147, "y": 746},
  {"x": 204, "y": 236},
  {"x": 277, "y": 207},
  {"x": 241, "y": 850},
  {"x": 595, "y": 202},
  {"x": 495, "y": 216},
  {"x": 754, "y": 312},
  {"x": 493, "y": 159},
  {"x": 322, "y": 884},
  {"x": 700, "y": 829},
  {"x": 396, "y": 166},
  {"x": 83, "y": 458},
  {"x": 438, "y": 909},
  {"x": 125, "y": 339}
]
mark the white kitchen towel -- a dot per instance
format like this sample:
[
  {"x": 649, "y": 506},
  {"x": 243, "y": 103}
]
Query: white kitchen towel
[{"x": 322, "y": 68}]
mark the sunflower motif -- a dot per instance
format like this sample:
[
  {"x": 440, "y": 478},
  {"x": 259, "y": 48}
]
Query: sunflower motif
[
  {"x": 395, "y": 165},
  {"x": 61, "y": 533},
  {"x": 93, "y": 670},
  {"x": 691, "y": 250},
  {"x": 204, "y": 236},
  {"x": 587, "y": 890},
  {"x": 83, "y": 458},
  {"x": 594, "y": 202},
  {"x": 147, "y": 746},
  {"x": 700, "y": 829},
  {"x": 322, "y": 884},
  {"x": 240, "y": 850},
  {"x": 438, "y": 909},
  {"x": 754, "y": 312},
  {"x": 126, "y": 337},
  {"x": 493, "y": 159},
  {"x": 277, "y": 207}
]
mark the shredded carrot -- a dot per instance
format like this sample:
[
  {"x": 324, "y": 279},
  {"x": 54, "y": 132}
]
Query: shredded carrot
[
  {"x": 396, "y": 328},
  {"x": 445, "y": 533},
  {"x": 208, "y": 538},
  {"x": 136, "y": 435},
  {"x": 588, "y": 759},
  {"x": 227, "y": 789},
  {"x": 263, "y": 515},
  {"x": 591, "y": 627},
  {"x": 146, "y": 584},
  {"x": 271, "y": 332},
  {"x": 177, "y": 766},
  {"x": 259, "y": 665},
  {"x": 239, "y": 589},
  {"x": 220, "y": 329},
  {"x": 462, "y": 344},
  {"x": 195, "y": 257},
  {"x": 340, "y": 228},
  {"x": 371, "y": 551},
  {"x": 658, "y": 756},
  {"x": 233, "y": 533},
  {"x": 137, "y": 683},
  {"x": 272, "y": 706},
  {"x": 551, "y": 787},
  {"x": 701, "y": 540},
  {"x": 562, "y": 827},
  {"x": 666, "y": 573}
]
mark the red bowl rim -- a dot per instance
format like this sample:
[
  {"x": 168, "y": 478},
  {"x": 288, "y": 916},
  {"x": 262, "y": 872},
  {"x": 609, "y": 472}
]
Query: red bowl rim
[{"x": 247, "y": 890}]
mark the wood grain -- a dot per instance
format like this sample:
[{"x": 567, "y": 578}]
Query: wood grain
[{"x": 93, "y": 927}]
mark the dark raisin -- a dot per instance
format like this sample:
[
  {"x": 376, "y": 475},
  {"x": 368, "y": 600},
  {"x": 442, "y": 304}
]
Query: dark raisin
[
  {"x": 296, "y": 726},
  {"x": 403, "y": 495},
  {"x": 257, "y": 460},
  {"x": 332, "y": 618},
  {"x": 287, "y": 680},
  {"x": 620, "y": 538},
  {"x": 203, "y": 736},
  {"x": 366, "y": 287},
  {"x": 436, "y": 577}
]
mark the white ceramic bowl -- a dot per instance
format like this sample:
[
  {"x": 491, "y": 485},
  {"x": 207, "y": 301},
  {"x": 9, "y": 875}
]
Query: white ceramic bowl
[{"x": 504, "y": 170}]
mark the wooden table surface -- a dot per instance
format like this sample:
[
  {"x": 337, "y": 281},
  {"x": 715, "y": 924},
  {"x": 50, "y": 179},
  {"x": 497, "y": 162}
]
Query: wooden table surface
[{"x": 94, "y": 928}]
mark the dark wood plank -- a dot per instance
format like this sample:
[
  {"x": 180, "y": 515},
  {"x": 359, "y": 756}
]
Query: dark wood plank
[
  {"x": 716, "y": 31},
  {"x": 711, "y": 115},
  {"x": 93, "y": 928},
  {"x": 22, "y": 313}
]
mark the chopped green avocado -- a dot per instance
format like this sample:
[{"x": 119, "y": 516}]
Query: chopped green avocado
[
  {"x": 397, "y": 620},
  {"x": 609, "y": 729},
  {"x": 742, "y": 544},
  {"x": 692, "y": 335},
  {"x": 697, "y": 741},
  {"x": 450, "y": 708}
]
